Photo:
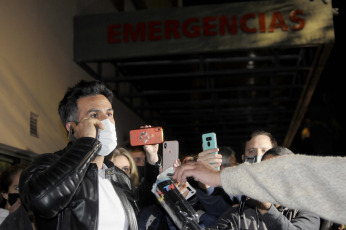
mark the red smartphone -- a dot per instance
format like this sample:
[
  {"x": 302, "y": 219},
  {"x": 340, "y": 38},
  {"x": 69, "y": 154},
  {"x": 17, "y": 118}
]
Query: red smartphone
[{"x": 146, "y": 136}]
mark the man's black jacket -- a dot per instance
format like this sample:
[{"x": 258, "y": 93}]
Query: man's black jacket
[{"x": 61, "y": 189}]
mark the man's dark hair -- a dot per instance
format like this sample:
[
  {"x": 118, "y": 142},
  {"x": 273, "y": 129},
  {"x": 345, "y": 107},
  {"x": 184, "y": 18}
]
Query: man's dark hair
[
  {"x": 68, "y": 107},
  {"x": 261, "y": 132},
  {"x": 277, "y": 151}
]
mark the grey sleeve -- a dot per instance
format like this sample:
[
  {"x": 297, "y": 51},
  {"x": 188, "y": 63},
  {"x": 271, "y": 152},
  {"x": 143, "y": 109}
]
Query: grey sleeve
[
  {"x": 303, "y": 220},
  {"x": 295, "y": 181}
]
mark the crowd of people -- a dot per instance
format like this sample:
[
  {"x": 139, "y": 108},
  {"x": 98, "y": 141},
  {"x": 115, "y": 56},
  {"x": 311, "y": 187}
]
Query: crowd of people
[{"x": 94, "y": 184}]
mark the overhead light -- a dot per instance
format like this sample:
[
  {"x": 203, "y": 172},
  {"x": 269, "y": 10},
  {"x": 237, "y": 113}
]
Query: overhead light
[{"x": 251, "y": 63}]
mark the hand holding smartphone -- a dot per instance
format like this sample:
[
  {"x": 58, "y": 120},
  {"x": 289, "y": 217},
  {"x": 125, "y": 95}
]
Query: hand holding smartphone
[
  {"x": 209, "y": 142},
  {"x": 72, "y": 138}
]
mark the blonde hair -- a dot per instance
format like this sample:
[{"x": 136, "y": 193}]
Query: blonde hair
[{"x": 133, "y": 168}]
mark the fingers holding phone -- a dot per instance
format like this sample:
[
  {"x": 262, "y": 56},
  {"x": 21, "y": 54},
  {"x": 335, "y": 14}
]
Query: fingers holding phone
[
  {"x": 87, "y": 127},
  {"x": 149, "y": 137},
  {"x": 210, "y": 157}
]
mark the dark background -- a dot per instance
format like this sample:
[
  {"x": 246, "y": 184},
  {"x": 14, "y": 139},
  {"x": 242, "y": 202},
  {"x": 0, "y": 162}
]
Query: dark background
[{"x": 326, "y": 113}]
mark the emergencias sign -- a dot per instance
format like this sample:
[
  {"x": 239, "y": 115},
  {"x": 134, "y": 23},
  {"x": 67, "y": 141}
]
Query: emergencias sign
[{"x": 201, "y": 29}]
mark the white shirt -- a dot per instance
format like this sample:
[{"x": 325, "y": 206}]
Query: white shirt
[
  {"x": 3, "y": 214},
  {"x": 111, "y": 211}
]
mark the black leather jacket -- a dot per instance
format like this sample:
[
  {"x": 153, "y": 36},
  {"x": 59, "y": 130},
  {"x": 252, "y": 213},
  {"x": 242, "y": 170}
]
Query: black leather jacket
[{"x": 61, "y": 189}]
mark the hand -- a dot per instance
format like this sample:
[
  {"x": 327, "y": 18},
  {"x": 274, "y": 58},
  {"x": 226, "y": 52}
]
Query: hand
[
  {"x": 201, "y": 172},
  {"x": 86, "y": 127},
  {"x": 176, "y": 164},
  {"x": 213, "y": 159},
  {"x": 151, "y": 151}
]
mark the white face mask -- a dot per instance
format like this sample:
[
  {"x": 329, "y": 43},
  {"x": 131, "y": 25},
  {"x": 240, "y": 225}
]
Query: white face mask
[{"x": 108, "y": 138}]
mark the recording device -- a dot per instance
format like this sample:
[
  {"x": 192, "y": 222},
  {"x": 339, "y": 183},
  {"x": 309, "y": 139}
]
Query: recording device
[
  {"x": 170, "y": 153},
  {"x": 168, "y": 173},
  {"x": 71, "y": 137},
  {"x": 177, "y": 207},
  {"x": 209, "y": 142},
  {"x": 146, "y": 136}
]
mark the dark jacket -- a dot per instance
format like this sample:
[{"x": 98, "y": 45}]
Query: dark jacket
[
  {"x": 18, "y": 220},
  {"x": 144, "y": 195},
  {"x": 61, "y": 189},
  {"x": 276, "y": 218}
]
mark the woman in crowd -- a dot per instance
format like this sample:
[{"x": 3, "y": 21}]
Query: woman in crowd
[
  {"x": 123, "y": 160},
  {"x": 9, "y": 181},
  {"x": 14, "y": 215}
]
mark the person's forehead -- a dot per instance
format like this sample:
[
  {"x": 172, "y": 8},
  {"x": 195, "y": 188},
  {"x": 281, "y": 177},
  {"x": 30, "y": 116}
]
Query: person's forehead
[
  {"x": 137, "y": 153},
  {"x": 259, "y": 141},
  {"x": 16, "y": 177},
  {"x": 121, "y": 160},
  {"x": 93, "y": 102}
]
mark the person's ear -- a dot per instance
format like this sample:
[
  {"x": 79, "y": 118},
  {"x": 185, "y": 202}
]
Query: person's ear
[
  {"x": 4, "y": 195},
  {"x": 68, "y": 126}
]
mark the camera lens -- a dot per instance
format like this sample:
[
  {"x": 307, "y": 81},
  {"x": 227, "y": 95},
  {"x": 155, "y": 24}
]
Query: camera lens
[{"x": 165, "y": 145}]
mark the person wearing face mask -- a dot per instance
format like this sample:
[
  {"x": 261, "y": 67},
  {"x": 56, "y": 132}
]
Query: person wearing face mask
[
  {"x": 139, "y": 156},
  {"x": 9, "y": 181},
  {"x": 13, "y": 215},
  {"x": 122, "y": 158},
  {"x": 76, "y": 187}
]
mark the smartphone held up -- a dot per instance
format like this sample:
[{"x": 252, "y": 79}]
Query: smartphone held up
[
  {"x": 170, "y": 153},
  {"x": 209, "y": 142},
  {"x": 146, "y": 136}
]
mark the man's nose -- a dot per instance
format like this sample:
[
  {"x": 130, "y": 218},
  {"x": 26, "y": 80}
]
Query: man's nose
[{"x": 102, "y": 117}]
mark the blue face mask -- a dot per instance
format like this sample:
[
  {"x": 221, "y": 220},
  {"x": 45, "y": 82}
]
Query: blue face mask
[{"x": 12, "y": 198}]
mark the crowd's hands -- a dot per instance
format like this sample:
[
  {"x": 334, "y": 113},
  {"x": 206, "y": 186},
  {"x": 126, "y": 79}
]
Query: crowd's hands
[
  {"x": 86, "y": 127},
  {"x": 201, "y": 171},
  {"x": 213, "y": 159},
  {"x": 176, "y": 164},
  {"x": 151, "y": 151}
]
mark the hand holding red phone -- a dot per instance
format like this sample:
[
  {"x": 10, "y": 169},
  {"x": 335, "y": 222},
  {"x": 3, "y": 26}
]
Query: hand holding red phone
[{"x": 151, "y": 150}]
